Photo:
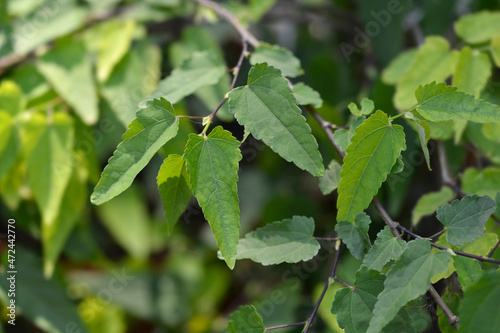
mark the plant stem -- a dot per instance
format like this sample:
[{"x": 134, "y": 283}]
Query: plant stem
[
  {"x": 326, "y": 127},
  {"x": 344, "y": 283},
  {"x": 460, "y": 253},
  {"x": 285, "y": 325},
  {"x": 190, "y": 117},
  {"x": 452, "y": 319},
  {"x": 387, "y": 219},
  {"x": 320, "y": 299},
  {"x": 228, "y": 16},
  {"x": 327, "y": 238},
  {"x": 233, "y": 83},
  {"x": 494, "y": 249}
]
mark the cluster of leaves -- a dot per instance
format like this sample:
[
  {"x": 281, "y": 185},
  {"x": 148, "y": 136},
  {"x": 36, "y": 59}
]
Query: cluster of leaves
[{"x": 47, "y": 107}]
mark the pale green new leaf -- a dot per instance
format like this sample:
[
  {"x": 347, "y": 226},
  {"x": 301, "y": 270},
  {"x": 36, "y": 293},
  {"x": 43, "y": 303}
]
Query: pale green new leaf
[
  {"x": 367, "y": 107},
  {"x": 481, "y": 182},
  {"x": 9, "y": 142},
  {"x": 386, "y": 248},
  {"x": 479, "y": 311},
  {"x": 343, "y": 136},
  {"x": 212, "y": 165},
  {"x": 409, "y": 278},
  {"x": 154, "y": 126},
  {"x": 175, "y": 192},
  {"x": 355, "y": 234},
  {"x": 49, "y": 149},
  {"x": 113, "y": 42},
  {"x": 472, "y": 72},
  {"x": 199, "y": 70},
  {"x": 492, "y": 132},
  {"x": 452, "y": 300},
  {"x": 374, "y": 148},
  {"x": 424, "y": 133},
  {"x": 277, "y": 57},
  {"x": 433, "y": 62},
  {"x": 290, "y": 241},
  {"x": 439, "y": 102},
  {"x": 11, "y": 98},
  {"x": 354, "y": 307},
  {"x": 69, "y": 71},
  {"x": 267, "y": 109},
  {"x": 245, "y": 320},
  {"x": 331, "y": 178},
  {"x": 464, "y": 219},
  {"x": 122, "y": 91},
  {"x": 306, "y": 95},
  {"x": 398, "y": 67},
  {"x": 430, "y": 202},
  {"x": 478, "y": 27}
]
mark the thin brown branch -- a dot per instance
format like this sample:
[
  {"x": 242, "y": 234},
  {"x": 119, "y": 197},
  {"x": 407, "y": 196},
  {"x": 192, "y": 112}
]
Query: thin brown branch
[
  {"x": 326, "y": 127},
  {"x": 460, "y": 253},
  {"x": 228, "y": 16},
  {"x": 452, "y": 319},
  {"x": 385, "y": 216},
  {"x": 236, "y": 73},
  {"x": 284, "y": 326},
  {"x": 320, "y": 299},
  {"x": 494, "y": 249}
]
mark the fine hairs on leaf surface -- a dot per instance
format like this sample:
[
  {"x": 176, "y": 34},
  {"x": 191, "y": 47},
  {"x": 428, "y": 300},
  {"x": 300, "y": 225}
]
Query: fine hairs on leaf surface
[
  {"x": 373, "y": 150},
  {"x": 154, "y": 126},
  {"x": 267, "y": 109},
  {"x": 465, "y": 218},
  {"x": 290, "y": 241},
  {"x": 212, "y": 166}
]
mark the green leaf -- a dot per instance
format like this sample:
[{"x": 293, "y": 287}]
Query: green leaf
[
  {"x": 267, "y": 109},
  {"x": 424, "y": 133},
  {"x": 32, "y": 292},
  {"x": 492, "y": 132},
  {"x": 398, "y": 166},
  {"x": 279, "y": 58},
  {"x": 69, "y": 71},
  {"x": 386, "y": 248},
  {"x": 354, "y": 307},
  {"x": 343, "y": 136},
  {"x": 45, "y": 24},
  {"x": 433, "y": 62},
  {"x": 55, "y": 234},
  {"x": 374, "y": 149},
  {"x": 393, "y": 73},
  {"x": 127, "y": 220},
  {"x": 472, "y": 72},
  {"x": 495, "y": 50},
  {"x": 481, "y": 182},
  {"x": 430, "y": 202},
  {"x": 367, "y": 107},
  {"x": 247, "y": 320},
  {"x": 12, "y": 98},
  {"x": 409, "y": 278},
  {"x": 479, "y": 308},
  {"x": 155, "y": 125},
  {"x": 199, "y": 70},
  {"x": 175, "y": 191},
  {"x": 131, "y": 81},
  {"x": 106, "y": 317},
  {"x": 9, "y": 142},
  {"x": 290, "y": 241},
  {"x": 306, "y": 95},
  {"x": 113, "y": 39},
  {"x": 331, "y": 178},
  {"x": 478, "y": 27},
  {"x": 212, "y": 165},
  {"x": 355, "y": 234},
  {"x": 198, "y": 38},
  {"x": 465, "y": 219},
  {"x": 439, "y": 102},
  {"x": 49, "y": 148},
  {"x": 468, "y": 271}
]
